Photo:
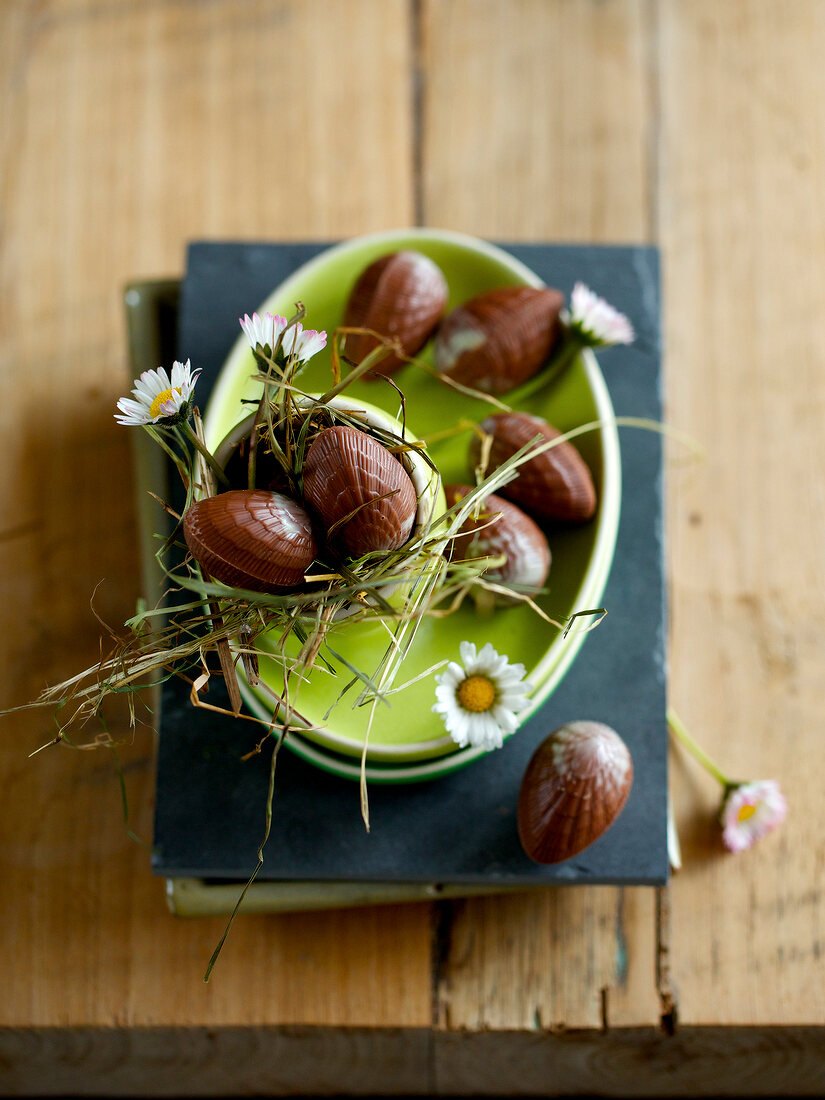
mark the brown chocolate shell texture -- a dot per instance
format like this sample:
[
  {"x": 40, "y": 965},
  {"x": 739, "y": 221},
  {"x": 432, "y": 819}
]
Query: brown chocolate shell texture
[
  {"x": 349, "y": 473},
  {"x": 513, "y": 533},
  {"x": 574, "y": 788},
  {"x": 251, "y": 538},
  {"x": 500, "y": 338},
  {"x": 555, "y": 485},
  {"x": 401, "y": 296}
]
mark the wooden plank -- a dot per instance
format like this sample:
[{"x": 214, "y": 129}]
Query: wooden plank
[
  {"x": 535, "y": 127},
  {"x": 541, "y": 960},
  {"x": 280, "y": 1061},
  {"x": 536, "y": 115},
  {"x": 634, "y": 1062},
  {"x": 231, "y": 1061},
  {"x": 129, "y": 128},
  {"x": 742, "y": 174}
]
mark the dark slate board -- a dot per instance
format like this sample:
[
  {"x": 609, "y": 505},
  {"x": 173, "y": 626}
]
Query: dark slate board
[{"x": 461, "y": 828}]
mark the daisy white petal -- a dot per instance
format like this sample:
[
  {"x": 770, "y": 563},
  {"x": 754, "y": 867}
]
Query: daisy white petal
[
  {"x": 512, "y": 674},
  {"x": 309, "y": 343},
  {"x": 596, "y": 320},
  {"x": 183, "y": 380},
  {"x": 129, "y": 415},
  {"x": 130, "y": 407},
  {"x": 505, "y": 719},
  {"x": 292, "y": 338},
  {"x": 151, "y": 383},
  {"x": 262, "y": 331},
  {"x": 460, "y": 729},
  {"x": 749, "y": 811},
  {"x": 486, "y": 732},
  {"x": 487, "y": 655},
  {"x": 480, "y": 701},
  {"x": 514, "y": 700},
  {"x": 181, "y": 375},
  {"x": 453, "y": 674},
  {"x": 444, "y": 693}
]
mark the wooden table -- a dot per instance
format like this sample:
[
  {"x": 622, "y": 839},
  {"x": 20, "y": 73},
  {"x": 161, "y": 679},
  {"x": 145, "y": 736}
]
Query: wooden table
[{"x": 132, "y": 126}]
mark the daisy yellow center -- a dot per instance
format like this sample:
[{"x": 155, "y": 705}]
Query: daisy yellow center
[
  {"x": 156, "y": 407},
  {"x": 745, "y": 813},
  {"x": 476, "y": 694}
]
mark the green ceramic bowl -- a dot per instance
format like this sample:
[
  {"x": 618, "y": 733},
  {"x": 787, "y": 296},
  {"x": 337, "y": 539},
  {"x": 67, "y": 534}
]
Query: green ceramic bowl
[{"x": 407, "y": 741}]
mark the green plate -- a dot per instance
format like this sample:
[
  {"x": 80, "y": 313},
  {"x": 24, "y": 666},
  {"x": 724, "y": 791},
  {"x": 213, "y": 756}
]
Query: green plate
[{"x": 407, "y": 735}]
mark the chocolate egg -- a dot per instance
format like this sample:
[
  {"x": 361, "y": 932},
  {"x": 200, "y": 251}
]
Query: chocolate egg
[
  {"x": 574, "y": 788},
  {"x": 251, "y": 538},
  {"x": 361, "y": 492},
  {"x": 501, "y": 338},
  {"x": 555, "y": 485},
  {"x": 502, "y": 528},
  {"x": 401, "y": 296}
]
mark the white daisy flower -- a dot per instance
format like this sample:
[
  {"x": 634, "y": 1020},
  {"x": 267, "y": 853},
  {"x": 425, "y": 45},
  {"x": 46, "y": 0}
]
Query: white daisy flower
[
  {"x": 303, "y": 344},
  {"x": 479, "y": 701},
  {"x": 749, "y": 811},
  {"x": 159, "y": 398},
  {"x": 596, "y": 320},
  {"x": 262, "y": 330}
]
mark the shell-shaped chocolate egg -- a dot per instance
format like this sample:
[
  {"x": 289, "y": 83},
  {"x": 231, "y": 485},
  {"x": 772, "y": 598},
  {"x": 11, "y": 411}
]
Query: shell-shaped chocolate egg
[
  {"x": 502, "y": 528},
  {"x": 363, "y": 495},
  {"x": 574, "y": 788},
  {"x": 501, "y": 338},
  {"x": 555, "y": 485},
  {"x": 401, "y": 296},
  {"x": 251, "y": 538}
]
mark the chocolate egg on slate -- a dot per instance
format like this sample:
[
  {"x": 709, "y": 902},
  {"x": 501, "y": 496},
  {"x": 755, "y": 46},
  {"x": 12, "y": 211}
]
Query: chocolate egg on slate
[
  {"x": 401, "y": 296},
  {"x": 502, "y": 528},
  {"x": 555, "y": 485},
  {"x": 363, "y": 495},
  {"x": 573, "y": 789},
  {"x": 501, "y": 338},
  {"x": 251, "y": 538}
]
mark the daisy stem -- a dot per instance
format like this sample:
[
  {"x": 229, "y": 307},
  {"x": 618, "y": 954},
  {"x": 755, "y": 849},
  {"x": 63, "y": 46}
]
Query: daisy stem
[
  {"x": 213, "y": 465},
  {"x": 677, "y": 728},
  {"x": 178, "y": 461},
  {"x": 571, "y": 346}
]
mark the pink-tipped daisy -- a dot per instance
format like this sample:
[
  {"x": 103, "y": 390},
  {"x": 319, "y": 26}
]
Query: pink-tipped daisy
[
  {"x": 159, "y": 399},
  {"x": 750, "y": 811},
  {"x": 596, "y": 321}
]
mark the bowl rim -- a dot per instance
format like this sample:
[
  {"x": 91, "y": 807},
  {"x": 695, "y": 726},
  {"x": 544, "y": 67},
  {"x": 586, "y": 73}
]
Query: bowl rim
[{"x": 424, "y": 760}]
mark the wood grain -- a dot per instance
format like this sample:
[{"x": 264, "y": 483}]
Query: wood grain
[
  {"x": 633, "y": 1062},
  {"x": 130, "y": 128},
  {"x": 536, "y": 120},
  {"x": 518, "y": 146},
  {"x": 317, "y": 1061},
  {"x": 742, "y": 173}
]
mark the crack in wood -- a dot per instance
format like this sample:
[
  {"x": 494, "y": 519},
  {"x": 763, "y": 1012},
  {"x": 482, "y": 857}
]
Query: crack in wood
[
  {"x": 443, "y": 915},
  {"x": 668, "y": 1017}
]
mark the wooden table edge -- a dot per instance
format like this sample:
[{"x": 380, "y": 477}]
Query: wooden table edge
[{"x": 310, "y": 1060}]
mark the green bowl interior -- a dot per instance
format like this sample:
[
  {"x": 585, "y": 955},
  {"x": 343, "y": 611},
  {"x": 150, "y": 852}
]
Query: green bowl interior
[{"x": 408, "y": 730}]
